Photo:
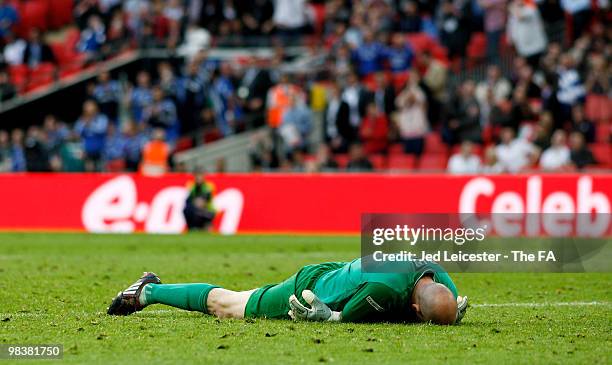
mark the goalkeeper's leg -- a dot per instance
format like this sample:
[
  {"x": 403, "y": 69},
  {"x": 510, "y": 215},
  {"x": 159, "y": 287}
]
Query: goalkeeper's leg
[
  {"x": 270, "y": 301},
  {"x": 201, "y": 297},
  {"x": 205, "y": 298}
]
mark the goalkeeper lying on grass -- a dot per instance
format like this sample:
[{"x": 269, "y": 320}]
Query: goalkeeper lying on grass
[{"x": 334, "y": 291}]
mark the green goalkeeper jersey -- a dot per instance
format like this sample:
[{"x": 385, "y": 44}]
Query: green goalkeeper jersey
[
  {"x": 365, "y": 296},
  {"x": 344, "y": 286}
]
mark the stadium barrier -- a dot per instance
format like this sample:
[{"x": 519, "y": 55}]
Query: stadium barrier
[{"x": 275, "y": 203}]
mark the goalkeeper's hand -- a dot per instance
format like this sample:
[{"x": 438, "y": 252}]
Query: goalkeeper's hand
[
  {"x": 462, "y": 304},
  {"x": 318, "y": 310}
]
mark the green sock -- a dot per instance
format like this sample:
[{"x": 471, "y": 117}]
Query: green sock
[{"x": 191, "y": 297}]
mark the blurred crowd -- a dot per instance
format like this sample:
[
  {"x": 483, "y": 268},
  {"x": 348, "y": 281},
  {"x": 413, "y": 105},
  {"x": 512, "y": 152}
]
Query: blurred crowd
[{"x": 378, "y": 89}]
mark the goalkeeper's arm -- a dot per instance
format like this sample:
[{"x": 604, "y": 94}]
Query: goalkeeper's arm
[
  {"x": 462, "y": 304},
  {"x": 368, "y": 302},
  {"x": 318, "y": 310}
]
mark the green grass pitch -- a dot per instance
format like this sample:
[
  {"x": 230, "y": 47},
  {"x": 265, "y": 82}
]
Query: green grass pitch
[{"x": 54, "y": 289}]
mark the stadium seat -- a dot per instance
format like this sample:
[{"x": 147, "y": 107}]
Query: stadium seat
[
  {"x": 401, "y": 162},
  {"x": 32, "y": 14},
  {"x": 378, "y": 161},
  {"x": 400, "y": 79},
  {"x": 433, "y": 162},
  {"x": 60, "y": 13},
  {"x": 73, "y": 36},
  {"x": 602, "y": 153},
  {"x": 19, "y": 76},
  {"x": 211, "y": 135},
  {"x": 342, "y": 160},
  {"x": 598, "y": 108},
  {"x": 423, "y": 42},
  {"x": 419, "y": 41},
  {"x": 183, "y": 143},
  {"x": 369, "y": 81},
  {"x": 434, "y": 144},
  {"x": 317, "y": 12},
  {"x": 396, "y": 148},
  {"x": 115, "y": 165},
  {"x": 476, "y": 49},
  {"x": 604, "y": 132},
  {"x": 70, "y": 61},
  {"x": 42, "y": 75},
  {"x": 440, "y": 53}
]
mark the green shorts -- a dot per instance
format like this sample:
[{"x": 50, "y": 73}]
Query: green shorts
[{"x": 272, "y": 301}]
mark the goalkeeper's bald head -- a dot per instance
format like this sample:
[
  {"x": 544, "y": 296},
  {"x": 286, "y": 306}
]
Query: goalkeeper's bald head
[{"x": 436, "y": 304}]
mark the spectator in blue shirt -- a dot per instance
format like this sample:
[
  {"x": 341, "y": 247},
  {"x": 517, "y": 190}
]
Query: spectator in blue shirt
[
  {"x": 161, "y": 113},
  {"x": 570, "y": 89},
  {"x": 92, "y": 126},
  {"x": 168, "y": 81},
  {"x": 140, "y": 96},
  {"x": 369, "y": 56},
  {"x": 17, "y": 151},
  {"x": 296, "y": 125},
  {"x": 92, "y": 37},
  {"x": 223, "y": 97},
  {"x": 114, "y": 148},
  {"x": 135, "y": 140},
  {"x": 192, "y": 96},
  {"x": 107, "y": 93},
  {"x": 8, "y": 17},
  {"x": 56, "y": 133},
  {"x": 400, "y": 55}
]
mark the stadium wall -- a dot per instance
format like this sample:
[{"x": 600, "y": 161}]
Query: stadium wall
[{"x": 276, "y": 203}]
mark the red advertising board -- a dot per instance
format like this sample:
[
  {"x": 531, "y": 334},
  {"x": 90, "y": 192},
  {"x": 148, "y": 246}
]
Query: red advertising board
[{"x": 283, "y": 203}]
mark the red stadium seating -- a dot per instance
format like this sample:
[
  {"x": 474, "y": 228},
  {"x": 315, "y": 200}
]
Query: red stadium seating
[
  {"x": 604, "y": 132},
  {"x": 401, "y": 162},
  {"x": 433, "y": 161},
  {"x": 42, "y": 75},
  {"x": 476, "y": 49},
  {"x": 72, "y": 38},
  {"x": 400, "y": 80},
  {"x": 115, "y": 166},
  {"x": 423, "y": 42},
  {"x": 603, "y": 154},
  {"x": 19, "y": 76},
  {"x": 396, "y": 148},
  {"x": 598, "y": 108},
  {"x": 341, "y": 160},
  {"x": 183, "y": 144},
  {"x": 434, "y": 144},
  {"x": 60, "y": 13},
  {"x": 419, "y": 41},
  {"x": 70, "y": 61},
  {"x": 318, "y": 15},
  {"x": 378, "y": 161},
  {"x": 32, "y": 14}
]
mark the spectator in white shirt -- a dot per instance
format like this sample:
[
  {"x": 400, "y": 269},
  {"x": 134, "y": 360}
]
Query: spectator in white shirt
[
  {"x": 490, "y": 165},
  {"x": 491, "y": 91},
  {"x": 570, "y": 87},
  {"x": 526, "y": 31},
  {"x": 411, "y": 117},
  {"x": 289, "y": 15},
  {"x": 464, "y": 162},
  {"x": 495, "y": 82},
  {"x": 14, "y": 50},
  {"x": 515, "y": 154},
  {"x": 557, "y": 156}
]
